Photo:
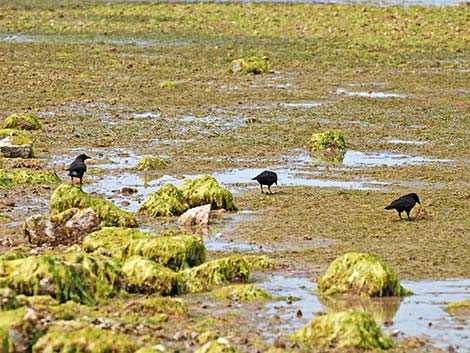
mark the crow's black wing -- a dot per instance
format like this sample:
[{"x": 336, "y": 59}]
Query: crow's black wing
[
  {"x": 77, "y": 168},
  {"x": 402, "y": 203}
]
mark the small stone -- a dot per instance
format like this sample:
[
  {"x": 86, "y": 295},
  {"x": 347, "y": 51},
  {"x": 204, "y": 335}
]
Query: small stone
[
  {"x": 128, "y": 191},
  {"x": 196, "y": 216},
  {"x": 298, "y": 313}
]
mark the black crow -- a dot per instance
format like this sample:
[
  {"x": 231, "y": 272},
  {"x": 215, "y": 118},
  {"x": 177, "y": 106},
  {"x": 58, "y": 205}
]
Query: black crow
[
  {"x": 404, "y": 203},
  {"x": 78, "y": 167},
  {"x": 266, "y": 178}
]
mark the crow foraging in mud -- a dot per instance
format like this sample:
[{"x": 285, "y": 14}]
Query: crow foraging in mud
[
  {"x": 78, "y": 167},
  {"x": 404, "y": 203},
  {"x": 266, "y": 178}
]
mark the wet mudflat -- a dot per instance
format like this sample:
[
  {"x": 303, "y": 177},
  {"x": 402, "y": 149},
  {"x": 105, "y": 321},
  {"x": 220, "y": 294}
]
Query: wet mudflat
[{"x": 95, "y": 76}]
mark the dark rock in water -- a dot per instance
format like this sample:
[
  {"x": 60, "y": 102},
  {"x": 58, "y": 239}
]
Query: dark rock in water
[{"x": 65, "y": 228}]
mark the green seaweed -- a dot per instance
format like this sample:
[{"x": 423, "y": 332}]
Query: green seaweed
[
  {"x": 74, "y": 336},
  {"x": 68, "y": 196},
  {"x": 339, "y": 330},
  {"x": 23, "y": 121},
  {"x": 166, "y": 201},
  {"x": 214, "y": 273},
  {"x": 257, "y": 263},
  {"x": 161, "y": 305},
  {"x": 147, "y": 276},
  {"x": 205, "y": 190},
  {"x": 149, "y": 163},
  {"x": 329, "y": 140},
  {"x": 176, "y": 252},
  {"x": 242, "y": 292},
  {"x": 8, "y": 299},
  {"x": 253, "y": 65},
  {"x": 18, "y": 330},
  {"x": 26, "y": 176},
  {"x": 358, "y": 273},
  {"x": 461, "y": 308}
]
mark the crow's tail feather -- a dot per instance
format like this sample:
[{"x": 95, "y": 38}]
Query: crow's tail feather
[{"x": 389, "y": 207}]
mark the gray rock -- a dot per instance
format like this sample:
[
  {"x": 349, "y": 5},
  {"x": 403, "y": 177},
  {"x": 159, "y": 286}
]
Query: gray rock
[
  {"x": 66, "y": 228},
  {"x": 197, "y": 216},
  {"x": 10, "y": 149}
]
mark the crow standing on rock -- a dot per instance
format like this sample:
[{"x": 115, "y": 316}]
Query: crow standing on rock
[
  {"x": 78, "y": 167},
  {"x": 404, "y": 203},
  {"x": 266, "y": 178}
]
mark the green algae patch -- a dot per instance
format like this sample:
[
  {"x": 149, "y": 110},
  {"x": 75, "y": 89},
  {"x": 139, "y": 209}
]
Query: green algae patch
[
  {"x": 363, "y": 274},
  {"x": 257, "y": 263},
  {"x": 161, "y": 305},
  {"x": 205, "y": 190},
  {"x": 23, "y": 121},
  {"x": 459, "y": 308},
  {"x": 221, "y": 345},
  {"x": 176, "y": 252},
  {"x": 329, "y": 140},
  {"x": 254, "y": 65},
  {"x": 73, "y": 336},
  {"x": 102, "y": 274},
  {"x": 149, "y": 163},
  {"x": 26, "y": 176},
  {"x": 19, "y": 137},
  {"x": 68, "y": 196},
  {"x": 38, "y": 275},
  {"x": 147, "y": 276},
  {"x": 166, "y": 201},
  {"x": 168, "y": 85},
  {"x": 18, "y": 330},
  {"x": 241, "y": 292},
  {"x": 347, "y": 329},
  {"x": 214, "y": 273}
]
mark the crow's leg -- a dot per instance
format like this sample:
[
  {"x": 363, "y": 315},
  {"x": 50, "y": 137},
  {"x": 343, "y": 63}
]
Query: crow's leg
[
  {"x": 399, "y": 213},
  {"x": 408, "y": 214},
  {"x": 269, "y": 188},
  {"x": 261, "y": 185},
  {"x": 81, "y": 182}
]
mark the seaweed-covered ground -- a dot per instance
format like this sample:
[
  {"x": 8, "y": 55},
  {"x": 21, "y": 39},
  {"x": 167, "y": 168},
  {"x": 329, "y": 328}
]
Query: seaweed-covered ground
[{"x": 119, "y": 81}]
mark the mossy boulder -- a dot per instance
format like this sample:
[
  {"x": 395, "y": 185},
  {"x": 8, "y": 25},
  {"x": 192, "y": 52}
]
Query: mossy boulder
[
  {"x": 363, "y": 274},
  {"x": 175, "y": 252},
  {"x": 256, "y": 262},
  {"x": 23, "y": 121},
  {"x": 342, "y": 330},
  {"x": 254, "y": 65},
  {"x": 25, "y": 176},
  {"x": 149, "y": 163},
  {"x": 214, "y": 273},
  {"x": 205, "y": 190},
  {"x": 461, "y": 309},
  {"x": 147, "y": 276},
  {"x": 166, "y": 201},
  {"x": 241, "y": 292},
  {"x": 15, "y": 144},
  {"x": 37, "y": 275},
  {"x": 73, "y": 336},
  {"x": 221, "y": 345},
  {"x": 327, "y": 141},
  {"x": 68, "y": 196}
]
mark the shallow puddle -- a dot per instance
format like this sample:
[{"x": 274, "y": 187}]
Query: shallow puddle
[
  {"x": 421, "y": 313},
  {"x": 406, "y": 142},
  {"x": 369, "y": 94}
]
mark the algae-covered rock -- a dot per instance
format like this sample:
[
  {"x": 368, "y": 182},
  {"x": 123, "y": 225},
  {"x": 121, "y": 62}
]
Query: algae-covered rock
[
  {"x": 149, "y": 163},
  {"x": 205, "y": 190},
  {"x": 214, "y": 273},
  {"x": 161, "y": 305},
  {"x": 358, "y": 273},
  {"x": 329, "y": 155},
  {"x": 47, "y": 275},
  {"x": 68, "y": 196},
  {"x": 166, "y": 201},
  {"x": 147, "y": 276},
  {"x": 73, "y": 336},
  {"x": 347, "y": 329},
  {"x": 23, "y": 121},
  {"x": 256, "y": 262},
  {"x": 68, "y": 227},
  {"x": 176, "y": 252},
  {"x": 241, "y": 292},
  {"x": 254, "y": 65},
  {"x": 461, "y": 309},
  {"x": 329, "y": 140},
  {"x": 221, "y": 345},
  {"x": 16, "y": 147},
  {"x": 8, "y": 299},
  {"x": 25, "y": 176}
]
